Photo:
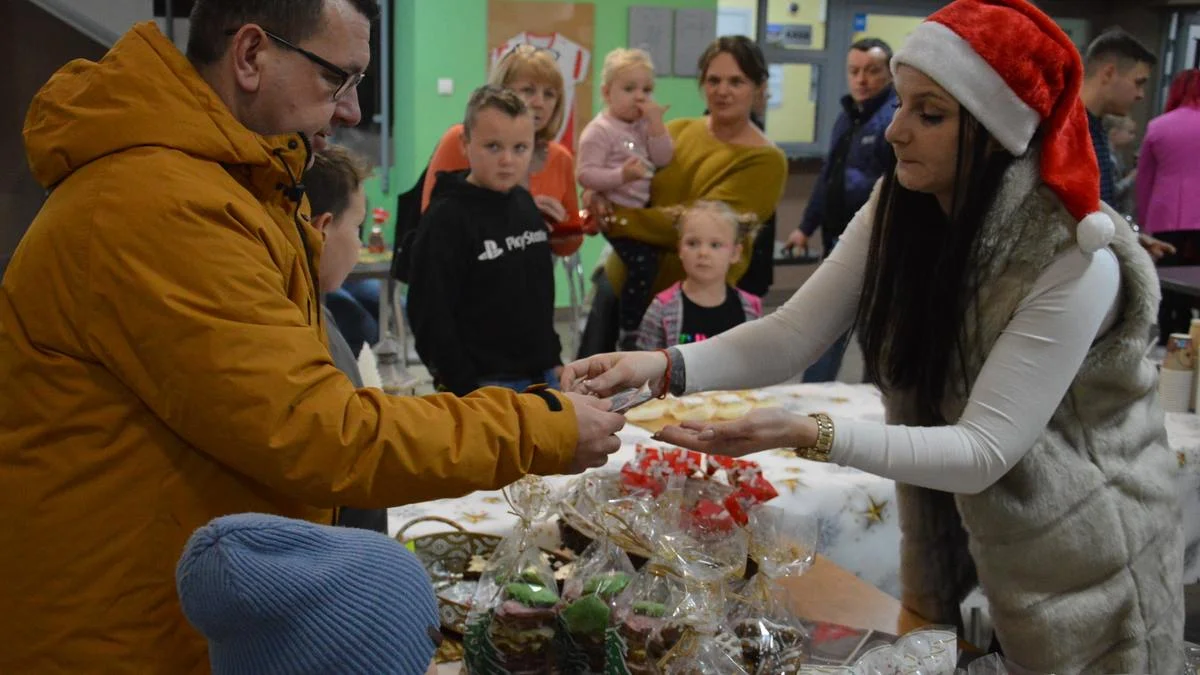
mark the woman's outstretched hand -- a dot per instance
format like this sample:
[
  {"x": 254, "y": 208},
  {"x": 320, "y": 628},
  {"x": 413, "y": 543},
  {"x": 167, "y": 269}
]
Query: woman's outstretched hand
[
  {"x": 606, "y": 374},
  {"x": 764, "y": 429}
]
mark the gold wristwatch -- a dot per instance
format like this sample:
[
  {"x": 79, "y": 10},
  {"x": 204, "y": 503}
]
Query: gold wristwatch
[{"x": 819, "y": 451}]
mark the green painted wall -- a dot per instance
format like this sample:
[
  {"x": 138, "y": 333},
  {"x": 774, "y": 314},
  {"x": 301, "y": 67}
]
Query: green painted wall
[{"x": 447, "y": 39}]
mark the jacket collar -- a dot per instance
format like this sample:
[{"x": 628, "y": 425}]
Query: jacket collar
[{"x": 870, "y": 107}]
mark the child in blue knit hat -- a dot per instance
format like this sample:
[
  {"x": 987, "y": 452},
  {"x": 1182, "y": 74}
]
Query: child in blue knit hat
[{"x": 276, "y": 596}]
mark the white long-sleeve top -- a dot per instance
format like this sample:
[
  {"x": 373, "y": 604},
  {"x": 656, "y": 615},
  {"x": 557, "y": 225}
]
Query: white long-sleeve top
[{"x": 1022, "y": 382}]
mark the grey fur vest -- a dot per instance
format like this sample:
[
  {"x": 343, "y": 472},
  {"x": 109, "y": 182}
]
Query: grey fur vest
[{"x": 1078, "y": 548}]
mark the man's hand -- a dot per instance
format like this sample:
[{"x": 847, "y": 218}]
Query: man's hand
[
  {"x": 796, "y": 241},
  {"x": 1157, "y": 248},
  {"x": 597, "y": 432}
]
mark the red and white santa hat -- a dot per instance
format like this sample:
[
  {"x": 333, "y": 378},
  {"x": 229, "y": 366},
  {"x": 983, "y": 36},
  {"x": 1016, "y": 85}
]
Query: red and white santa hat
[{"x": 1016, "y": 71}]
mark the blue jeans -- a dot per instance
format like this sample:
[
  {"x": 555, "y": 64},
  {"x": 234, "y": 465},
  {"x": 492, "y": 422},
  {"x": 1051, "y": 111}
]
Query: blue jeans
[
  {"x": 826, "y": 368},
  {"x": 354, "y": 319},
  {"x": 367, "y": 292},
  {"x": 523, "y": 384}
]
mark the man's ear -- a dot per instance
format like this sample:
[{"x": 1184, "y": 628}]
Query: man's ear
[
  {"x": 247, "y": 49},
  {"x": 1108, "y": 72},
  {"x": 322, "y": 222},
  {"x": 465, "y": 139}
]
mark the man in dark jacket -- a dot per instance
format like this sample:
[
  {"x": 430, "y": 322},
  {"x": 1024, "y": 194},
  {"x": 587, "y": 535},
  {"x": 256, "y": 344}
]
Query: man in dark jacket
[{"x": 859, "y": 156}]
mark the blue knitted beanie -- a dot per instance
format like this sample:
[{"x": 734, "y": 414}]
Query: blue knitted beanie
[{"x": 275, "y": 595}]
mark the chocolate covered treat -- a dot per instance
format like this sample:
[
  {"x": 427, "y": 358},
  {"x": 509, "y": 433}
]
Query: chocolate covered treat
[
  {"x": 663, "y": 640},
  {"x": 647, "y": 637},
  {"x": 523, "y": 627},
  {"x": 762, "y": 639},
  {"x": 589, "y": 614},
  {"x": 787, "y": 662}
]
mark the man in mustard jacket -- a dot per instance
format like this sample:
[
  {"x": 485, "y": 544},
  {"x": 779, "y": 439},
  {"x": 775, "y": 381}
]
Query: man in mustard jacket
[{"x": 161, "y": 341}]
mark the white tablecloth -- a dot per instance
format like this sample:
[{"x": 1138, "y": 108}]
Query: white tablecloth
[{"x": 857, "y": 509}]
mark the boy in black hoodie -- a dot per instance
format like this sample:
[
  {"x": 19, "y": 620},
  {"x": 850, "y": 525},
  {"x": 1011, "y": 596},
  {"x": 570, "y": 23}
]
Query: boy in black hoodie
[{"x": 481, "y": 288}]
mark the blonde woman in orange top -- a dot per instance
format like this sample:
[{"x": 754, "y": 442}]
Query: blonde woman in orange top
[{"x": 533, "y": 74}]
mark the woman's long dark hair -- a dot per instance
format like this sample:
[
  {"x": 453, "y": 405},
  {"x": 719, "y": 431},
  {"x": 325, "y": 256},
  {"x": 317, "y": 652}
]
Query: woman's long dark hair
[{"x": 922, "y": 275}]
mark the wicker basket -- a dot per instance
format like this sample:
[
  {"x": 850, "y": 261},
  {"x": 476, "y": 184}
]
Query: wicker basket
[{"x": 446, "y": 556}]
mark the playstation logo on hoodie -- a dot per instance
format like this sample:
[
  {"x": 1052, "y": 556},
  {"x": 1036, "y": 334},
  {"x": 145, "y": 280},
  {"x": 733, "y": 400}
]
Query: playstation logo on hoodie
[{"x": 491, "y": 250}]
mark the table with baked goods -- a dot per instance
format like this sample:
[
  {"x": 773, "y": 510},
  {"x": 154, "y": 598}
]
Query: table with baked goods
[
  {"x": 857, "y": 510},
  {"x": 827, "y": 593}
]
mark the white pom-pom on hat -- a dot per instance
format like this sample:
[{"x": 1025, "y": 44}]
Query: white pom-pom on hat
[{"x": 1095, "y": 231}]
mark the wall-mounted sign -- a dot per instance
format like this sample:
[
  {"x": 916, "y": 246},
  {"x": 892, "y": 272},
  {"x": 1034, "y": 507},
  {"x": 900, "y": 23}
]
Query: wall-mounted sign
[{"x": 790, "y": 35}]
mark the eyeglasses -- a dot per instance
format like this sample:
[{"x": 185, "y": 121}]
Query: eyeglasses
[{"x": 347, "y": 81}]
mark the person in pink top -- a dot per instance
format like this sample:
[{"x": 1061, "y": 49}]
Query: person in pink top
[
  {"x": 1168, "y": 181},
  {"x": 619, "y": 152},
  {"x": 1168, "y": 188}
]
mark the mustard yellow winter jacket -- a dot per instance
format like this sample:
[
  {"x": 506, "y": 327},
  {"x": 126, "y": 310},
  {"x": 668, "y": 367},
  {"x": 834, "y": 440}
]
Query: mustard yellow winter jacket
[{"x": 162, "y": 362}]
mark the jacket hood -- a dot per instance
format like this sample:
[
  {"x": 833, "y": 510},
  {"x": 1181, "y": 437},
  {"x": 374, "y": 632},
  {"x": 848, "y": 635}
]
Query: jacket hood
[{"x": 144, "y": 92}]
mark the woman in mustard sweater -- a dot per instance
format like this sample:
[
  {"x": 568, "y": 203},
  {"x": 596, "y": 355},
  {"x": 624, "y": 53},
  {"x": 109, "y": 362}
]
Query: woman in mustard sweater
[{"x": 719, "y": 157}]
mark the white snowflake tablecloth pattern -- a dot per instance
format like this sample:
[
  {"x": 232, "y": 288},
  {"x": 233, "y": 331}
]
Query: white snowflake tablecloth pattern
[{"x": 857, "y": 509}]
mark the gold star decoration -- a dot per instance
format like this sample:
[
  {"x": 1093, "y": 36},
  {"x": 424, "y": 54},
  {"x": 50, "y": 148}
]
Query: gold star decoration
[
  {"x": 791, "y": 484},
  {"x": 476, "y": 517},
  {"x": 840, "y": 399},
  {"x": 784, "y": 453},
  {"x": 794, "y": 470},
  {"x": 493, "y": 500},
  {"x": 1182, "y": 459},
  {"x": 876, "y": 511}
]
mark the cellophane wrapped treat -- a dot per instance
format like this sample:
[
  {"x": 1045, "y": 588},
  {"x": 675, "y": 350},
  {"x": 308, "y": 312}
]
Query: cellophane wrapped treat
[
  {"x": 743, "y": 483},
  {"x": 514, "y": 624},
  {"x": 601, "y": 575},
  {"x": 704, "y": 553},
  {"x": 644, "y": 622},
  {"x": 772, "y": 639},
  {"x": 700, "y": 648},
  {"x": 932, "y": 650},
  {"x": 927, "y": 651}
]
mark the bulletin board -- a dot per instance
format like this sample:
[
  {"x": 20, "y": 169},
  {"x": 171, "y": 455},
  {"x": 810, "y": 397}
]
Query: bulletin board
[
  {"x": 695, "y": 30},
  {"x": 653, "y": 29},
  {"x": 567, "y": 29}
]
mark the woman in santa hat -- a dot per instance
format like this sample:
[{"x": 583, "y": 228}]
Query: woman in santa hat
[{"x": 1006, "y": 315}]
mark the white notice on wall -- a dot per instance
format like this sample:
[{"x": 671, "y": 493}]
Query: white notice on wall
[
  {"x": 774, "y": 85},
  {"x": 735, "y": 21}
]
